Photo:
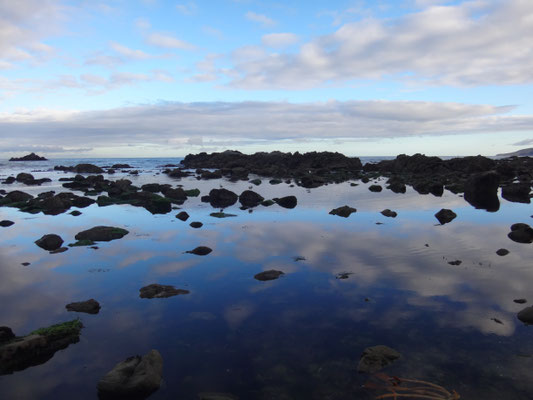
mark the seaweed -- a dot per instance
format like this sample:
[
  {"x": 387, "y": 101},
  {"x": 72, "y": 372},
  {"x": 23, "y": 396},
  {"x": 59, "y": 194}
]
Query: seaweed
[{"x": 402, "y": 388}]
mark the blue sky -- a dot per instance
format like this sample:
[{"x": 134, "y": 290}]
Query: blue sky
[{"x": 165, "y": 78}]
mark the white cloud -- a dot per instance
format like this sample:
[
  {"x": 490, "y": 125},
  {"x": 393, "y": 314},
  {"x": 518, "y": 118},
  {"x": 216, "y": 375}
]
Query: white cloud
[
  {"x": 236, "y": 123},
  {"x": 168, "y": 41},
  {"x": 129, "y": 53},
  {"x": 260, "y": 18},
  {"x": 279, "y": 40},
  {"x": 189, "y": 8},
  {"x": 142, "y": 23},
  {"x": 470, "y": 44}
]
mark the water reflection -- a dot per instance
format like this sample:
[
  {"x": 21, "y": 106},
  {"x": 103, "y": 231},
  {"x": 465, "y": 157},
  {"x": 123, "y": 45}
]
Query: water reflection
[{"x": 299, "y": 336}]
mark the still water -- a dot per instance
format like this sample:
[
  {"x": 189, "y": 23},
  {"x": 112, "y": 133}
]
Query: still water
[{"x": 297, "y": 337}]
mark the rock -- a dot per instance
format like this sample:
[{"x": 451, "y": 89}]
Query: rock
[
  {"x": 121, "y": 166},
  {"x": 520, "y": 301},
  {"x": 375, "y": 188},
  {"x": 158, "y": 291},
  {"x": 389, "y": 213},
  {"x": 75, "y": 213},
  {"x": 343, "y": 275},
  {"x": 151, "y": 187},
  {"x": 49, "y": 242},
  {"x": 5, "y": 223},
  {"x": 222, "y": 215},
  {"x": 24, "y": 177},
  {"x": 200, "y": 251},
  {"x": 88, "y": 169},
  {"x": 80, "y": 243},
  {"x": 28, "y": 157},
  {"x": 526, "y": 315},
  {"x": 456, "y": 262},
  {"x": 344, "y": 211},
  {"x": 221, "y": 198},
  {"x": 102, "y": 234},
  {"x": 183, "y": 216},
  {"x": 376, "y": 358},
  {"x": 517, "y": 192},
  {"x": 249, "y": 198},
  {"x": 196, "y": 224},
  {"x": 177, "y": 194},
  {"x": 192, "y": 192},
  {"x": 25, "y": 264},
  {"x": 268, "y": 275},
  {"x": 17, "y": 196},
  {"x": 445, "y": 215},
  {"x": 521, "y": 233},
  {"x": 90, "y": 306},
  {"x": 481, "y": 191},
  {"x": 287, "y": 201},
  {"x": 6, "y": 334},
  {"x": 134, "y": 378},
  {"x": 37, "y": 347},
  {"x": 502, "y": 252},
  {"x": 256, "y": 182}
]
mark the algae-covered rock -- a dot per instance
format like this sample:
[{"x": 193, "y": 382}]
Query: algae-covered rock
[
  {"x": 155, "y": 290},
  {"x": 102, "y": 234},
  {"x": 90, "y": 306}
]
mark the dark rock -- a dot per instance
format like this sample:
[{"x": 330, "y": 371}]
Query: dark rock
[
  {"x": 90, "y": 306},
  {"x": 376, "y": 358},
  {"x": 445, "y": 215},
  {"x": 121, "y": 166},
  {"x": 183, "y": 216},
  {"x": 49, "y": 242},
  {"x": 256, "y": 182},
  {"x": 75, "y": 213},
  {"x": 221, "y": 198},
  {"x": 268, "y": 275},
  {"x": 25, "y": 264},
  {"x": 517, "y": 192},
  {"x": 344, "y": 211},
  {"x": 216, "y": 396},
  {"x": 249, "y": 198},
  {"x": 6, "y": 334},
  {"x": 526, "y": 315},
  {"x": 134, "y": 378},
  {"x": 375, "y": 188},
  {"x": 157, "y": 291},
  {"x": 343, "y": 275},
  {"x": 389, "y": 213},
  {"x": 481, "y": 191},
  {"x": 192, "y": 192},
  {"x": 520, "y": 301},
  {"x": 267, "y": 203},
  {"x": 151, "y": 187},
  {"x": 60, "y": 250},
  {"x": 521, "y": 233},
  {"x": 24, "y": 177},
  {"x": 5, "y": 223},
  {"x": 287, "y": 201},
  {"x": 17, "y": 196},
  {"x": 502, "y": 252},
  {"x": 196, "y": 224},
  {"x": 88, "y": 169},
  {"x": 200, "y": 251},
  {"x": 102, "y": 234},
  {"x": 275, "y": 181},
  {"x": 29, "y": 157},
  {"x": 80, "y": 243},
  {"x": 222, "y": 215},
  {"x": 456, "y": 262}
]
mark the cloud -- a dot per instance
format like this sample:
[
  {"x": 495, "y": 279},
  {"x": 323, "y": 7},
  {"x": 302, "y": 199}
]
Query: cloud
[
  {"x": 168, "y": 41},
  {"x": 142, "y": 23},
  {"x": 278, "y": 40},
  {"x": 470, "y": 44},
  {"x": 260, "y": 18},
  {"x": 187, "y": 9},
  {"x": 524, "y": 142},
  {"x": 44, "y": 149},
  {"x": 129, "y": 53},
  {"x": 24, "y": 24},
  {"x": 259, "y": 122}
]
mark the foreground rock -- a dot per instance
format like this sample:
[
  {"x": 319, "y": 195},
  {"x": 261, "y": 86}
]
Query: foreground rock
[
  {"x": 49, "y": 242},
  {"x": 18, "y": 353},
  {"x": 268, "y": 275},
  {"x": 222, "y": 198},
  {"x": 521, "y": 233},
  {"x": 376, "y": 358},
  {"x": 200, "y": 251},
  {"x": 526, "y": 315},
  {"x": 196, "y": 224},
  {"x": 287, "y": 201},
  {"x": 6, "y": 334},
  {"x": 481, "y": 191},
  {"x": 517, "y": 192},
  {"x": 5, "y": 223},
  {"x": 134, "y": 378},
  {"x": 28, "y": 157},
  {"x": 182, "y": 216},
  {"x": 90, "y": 306},
  {"x": 445, "y": 215},
  {"x": 102, "y": 234},
  {"x": 389, "y": 213},
  {"x": 249, "y": 198},
  {"x": 157, "y": 291},
  {"x": 344, "y": 211}
]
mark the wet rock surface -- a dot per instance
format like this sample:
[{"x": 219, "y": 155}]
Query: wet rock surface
[
  {"x": 249, "y": 198},
  {"x": 182, "y": 216},
  {"x": 389, "y": 213},
  {"x": 221, "y": 198},
  {"x": 445, "y": 216},
  {"x": 200, "y": 251},
  {"x": 5, "y": 223},
  {"x": 521, "y": 233},
  {"x": 481, "y": 191},
  {"x": 268, "y": 275},
  {"x": 156, "y": 291},
  {"x": 376, "y": 358},
  {"x": 134, "y": 378},
  {"x": 526, "y": 315},
  {"x": 344, "y": 211},
  {"x": 90, "y": 306},
  {"x": 102, "y": 234},
  {"x": 287, "y": 201},
  {"x": 196, "y": 224},
  {"x": 49, "y": 242}
]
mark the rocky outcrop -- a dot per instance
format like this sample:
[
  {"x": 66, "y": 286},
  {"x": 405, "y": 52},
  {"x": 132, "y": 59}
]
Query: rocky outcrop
[
  {"x": 376, "y": 358},
  {"x": 157, "y": 291},
  {"x": 182, "y": 216},
  {"x": 90, "y": 306},
  {"x": 517, "y": 192},
  {"x": 102, "y": 234},
  {"x": 28, "y": 157},
  {"x": 134, "y": 378}
]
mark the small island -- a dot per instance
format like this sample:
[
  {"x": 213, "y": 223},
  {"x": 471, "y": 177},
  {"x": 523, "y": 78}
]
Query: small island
[{"x": 29, "y": 157}]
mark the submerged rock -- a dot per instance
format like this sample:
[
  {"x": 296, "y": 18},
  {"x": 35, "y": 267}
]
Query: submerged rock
[
  {"x": 520, "y": 301},
  {"x": 376, "y": 358},
  {"x": 268, "y": 275},
  {"x": 222, "y": 215},
  {"x": 102, "y": 234},
  {"x": 517, "y": 192},
  {"x": 526, "y": 315},
  {"x": 90, "y": 306},
  {"x": 182, "y": 216},
  {"x": 389, "y": 213},
  {"x": 134, "y": 378},
  {"x": 38, "y": 347},
  {"x": 200, "y": 251},
  {"x": 49, "y": 242},
  {"x": 344, "y": 211},
  {"x": 155, "y": 290},
  {"x": 445, "y": 215},
  {"x": 521, "y": 233}
]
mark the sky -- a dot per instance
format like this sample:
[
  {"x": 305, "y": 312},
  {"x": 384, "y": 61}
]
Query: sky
[{"x": 158, "y": 78}]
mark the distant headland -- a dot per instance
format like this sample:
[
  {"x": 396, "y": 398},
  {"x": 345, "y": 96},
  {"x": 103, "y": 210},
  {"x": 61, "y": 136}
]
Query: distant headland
[
  {"x": 29, "y": 157},
  {"x": 520, "y": 153}
]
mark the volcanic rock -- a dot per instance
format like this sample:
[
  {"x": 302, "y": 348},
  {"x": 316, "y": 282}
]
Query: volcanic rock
[
  {"x": 28, "y": 157},
  {"x": 102, "y": 234},
  {"x": 389, "y": 213},
  {"x": 221, "y": 198},
  {"x": 183, "y": 216},
  {"x": 249, "y": 198},
  {"x": 481, "y": 191}
]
